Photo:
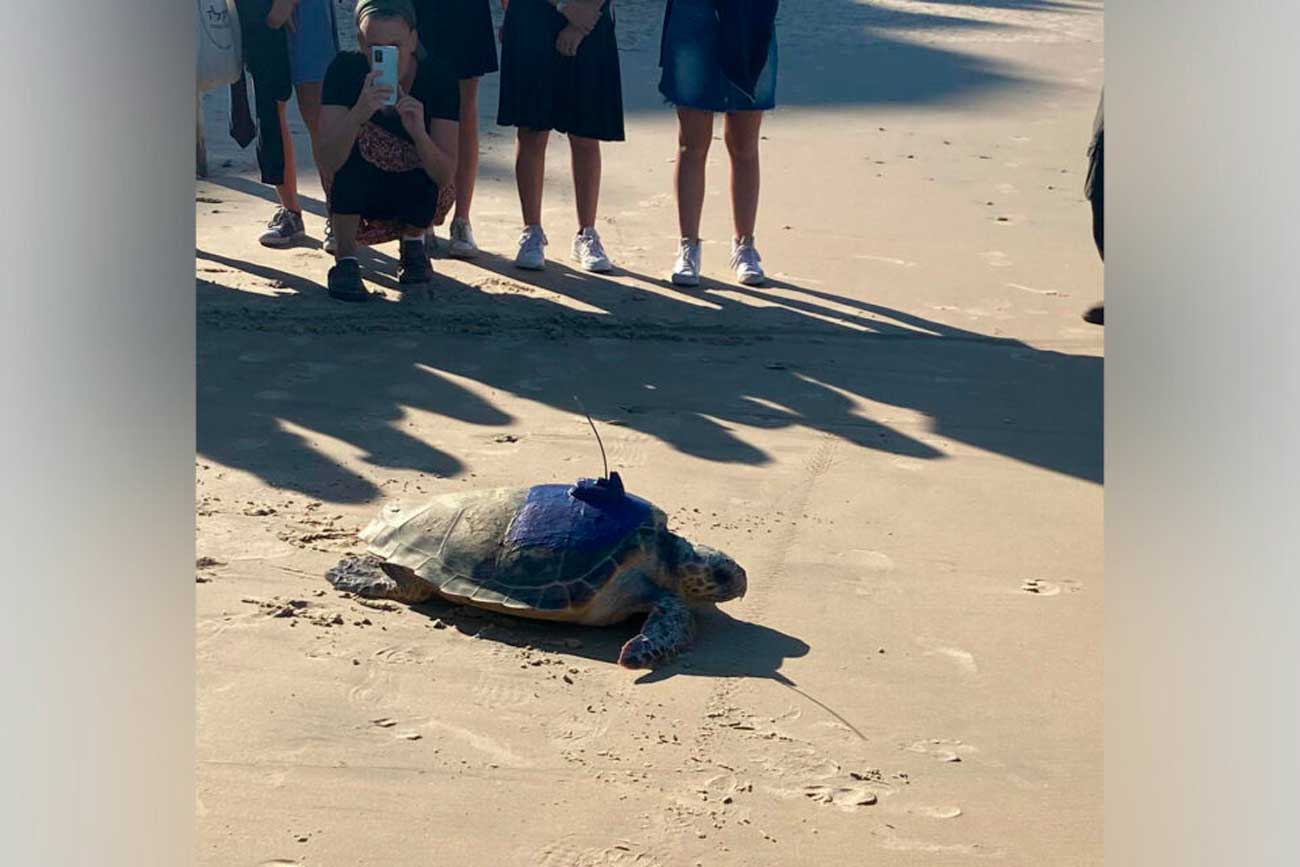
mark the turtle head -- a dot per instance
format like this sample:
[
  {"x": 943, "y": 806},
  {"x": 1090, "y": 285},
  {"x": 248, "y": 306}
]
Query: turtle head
[{"x": 706, "y": 574}]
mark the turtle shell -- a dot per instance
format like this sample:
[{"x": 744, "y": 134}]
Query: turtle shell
[{"x": 548, "y": 548}]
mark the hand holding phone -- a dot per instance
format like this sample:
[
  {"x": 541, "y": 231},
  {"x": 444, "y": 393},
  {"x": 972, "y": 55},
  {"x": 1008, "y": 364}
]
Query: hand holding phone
[
  {"x": 373, "y": 97},
  {"x": 383, "y": 60}
]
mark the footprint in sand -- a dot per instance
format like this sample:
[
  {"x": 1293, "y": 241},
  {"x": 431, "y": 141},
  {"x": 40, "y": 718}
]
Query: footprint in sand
[
  {"x": 870, "y": 561},
  {"x": 895, "y": 843},
  {"x": 941, "y": 750},
  {"x": 577, "y": 728},
  {"x": 938, "y": 812},
  {"x": 409, "y": 655},
  {"x": 866, "y": 567},
  {"x": 996, "y": 259},
  {"x": 964, "y": 659},
  {"x": 847, "y": 798},
  {"x": 1040, "y": 587},
  {"x": 375, "y": 692},
  {"x": 499, "y": 692},
  {"x": 572, "y": 852}
]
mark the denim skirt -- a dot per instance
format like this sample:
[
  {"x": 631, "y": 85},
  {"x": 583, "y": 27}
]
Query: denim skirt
[{"x": 692, "y": 67}]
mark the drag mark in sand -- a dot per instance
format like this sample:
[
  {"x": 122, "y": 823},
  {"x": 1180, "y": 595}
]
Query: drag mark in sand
[
  {"x": 799, "y": 770},
  {"x": 888, "y": 260},
  {"x": 1052, "y": 293}
]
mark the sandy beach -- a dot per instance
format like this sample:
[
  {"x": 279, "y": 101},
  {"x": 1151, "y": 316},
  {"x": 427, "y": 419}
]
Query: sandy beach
[{"x": 899, "y": 437}]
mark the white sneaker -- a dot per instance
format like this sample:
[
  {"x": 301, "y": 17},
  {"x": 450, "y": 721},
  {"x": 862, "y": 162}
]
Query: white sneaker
[
  {"x": 747, "y": 262},
  {"x": 687, "y": 270},
  {"x": 588, "y": 252},
  {"x": 330, "y": 244},
  {"x": 531, "y": 255},
  {"x": 462, "y": 244}
]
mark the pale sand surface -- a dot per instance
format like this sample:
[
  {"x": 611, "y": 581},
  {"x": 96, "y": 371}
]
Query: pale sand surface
[{"x": 897, "y": 437}]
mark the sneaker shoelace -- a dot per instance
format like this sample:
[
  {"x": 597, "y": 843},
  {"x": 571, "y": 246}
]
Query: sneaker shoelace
[
  {"x": 746, "y": 255},
  {"x": 688, "y": 258},
  {"x": 591, "y": 247},
  {"x": 279, "y": 218},
  {"x": 531, "y": 240}
]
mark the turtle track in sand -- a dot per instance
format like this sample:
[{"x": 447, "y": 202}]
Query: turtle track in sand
[{"x": 799, "y": 769}]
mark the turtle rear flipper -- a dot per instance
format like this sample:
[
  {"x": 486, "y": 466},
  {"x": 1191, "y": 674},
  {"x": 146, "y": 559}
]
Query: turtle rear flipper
[
  {"x": 370, "y": 577},
  {"x": 668, "y": 630}
]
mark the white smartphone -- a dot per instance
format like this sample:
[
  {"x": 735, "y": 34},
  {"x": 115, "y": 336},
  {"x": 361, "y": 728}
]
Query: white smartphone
[{"x": 383, "y": 58}]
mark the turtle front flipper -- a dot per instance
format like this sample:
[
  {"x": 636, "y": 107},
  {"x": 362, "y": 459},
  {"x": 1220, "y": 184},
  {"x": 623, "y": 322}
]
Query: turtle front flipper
[
  {"x": 667, "y": 631},
  {"x": 367, "y": 576}
]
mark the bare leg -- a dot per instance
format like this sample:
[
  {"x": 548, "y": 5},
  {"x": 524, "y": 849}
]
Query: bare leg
[
  {"x": 530, "y": 172},
  {"x": 741, "y": 134},
  {"x": 585, "y": 155},
  {"x": 288, "y": 191},
  {"x": 309, "y": 108},
  {"x": 467, "y": 161},
  {"x": 694, "y": 134},
  {"x": 345, "y": 234}
]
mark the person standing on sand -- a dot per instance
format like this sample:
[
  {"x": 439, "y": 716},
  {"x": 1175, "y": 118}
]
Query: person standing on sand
[
  {"x": 560, "y": 71},
  {"x": 288, "y": 46},
  {"x": 1095, "y": 191},
  {"x": 718, "y": 56},
  {"x": 461, "y": 30},
  {"x": 388, "y": 161}
]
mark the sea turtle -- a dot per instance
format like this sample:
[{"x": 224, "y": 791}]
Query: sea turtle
[{"x": 588, "y": 553}]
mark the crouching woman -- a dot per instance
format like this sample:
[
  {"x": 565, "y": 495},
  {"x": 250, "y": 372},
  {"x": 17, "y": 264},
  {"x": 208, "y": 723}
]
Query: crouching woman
[{"x": 389, "y": 162}]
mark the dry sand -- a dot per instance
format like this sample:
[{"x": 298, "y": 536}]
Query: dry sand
[{"x": 899, "y": 437}]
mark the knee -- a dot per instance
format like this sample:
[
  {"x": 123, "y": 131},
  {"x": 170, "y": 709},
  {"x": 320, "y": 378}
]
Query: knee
[
  {"x": 693, "y": 148},
  {"x": 742, "y": 148}
]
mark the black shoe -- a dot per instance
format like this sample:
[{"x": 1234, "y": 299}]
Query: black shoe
[
  {"x": 414, "y": 266},
  {"x": 1096, "y": 315},
  {"x": 345, "y": 282}
]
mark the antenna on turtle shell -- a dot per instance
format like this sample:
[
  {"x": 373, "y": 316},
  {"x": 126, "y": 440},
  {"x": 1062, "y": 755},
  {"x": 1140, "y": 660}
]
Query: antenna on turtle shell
[{"x": 603, "y": 459}]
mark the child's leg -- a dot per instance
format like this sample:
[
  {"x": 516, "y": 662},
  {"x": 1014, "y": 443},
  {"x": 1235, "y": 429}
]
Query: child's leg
[
  {"x": 309, "y": 107},
  {"x": 741, "y": 135},
  {"x": 288, "y": 190},
  {"x": 585, "y": 154},
  {"x": 530, "y": 172},
  {"x": 467, "y": 156},
  {"x": 694, "y": 134}
]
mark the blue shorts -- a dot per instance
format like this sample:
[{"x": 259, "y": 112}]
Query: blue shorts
[
  {"x": 692, "y": 70},
  {"x": 314, "y": 41}
]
